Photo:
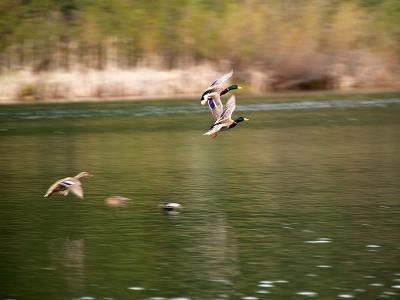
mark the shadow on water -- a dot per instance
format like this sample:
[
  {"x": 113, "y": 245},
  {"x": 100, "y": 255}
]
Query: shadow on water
[{"x": 297, "y": 203}]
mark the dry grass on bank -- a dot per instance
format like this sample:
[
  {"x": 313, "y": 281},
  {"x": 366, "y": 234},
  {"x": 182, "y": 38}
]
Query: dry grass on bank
[
  {"x": 142, "y": 82},
  {"x": 103, "y": 84}
]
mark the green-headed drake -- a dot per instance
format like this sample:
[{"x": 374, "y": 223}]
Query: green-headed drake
[
  {"x": 213, "y": 93},
  {"x": 223, "y": 118}
]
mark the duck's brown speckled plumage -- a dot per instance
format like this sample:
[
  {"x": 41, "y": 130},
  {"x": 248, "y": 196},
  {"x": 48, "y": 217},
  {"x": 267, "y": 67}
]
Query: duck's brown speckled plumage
[{"x": 68, "y": 184}]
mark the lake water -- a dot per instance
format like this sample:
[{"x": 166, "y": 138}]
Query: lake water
[{"x": 301, "y": 202}]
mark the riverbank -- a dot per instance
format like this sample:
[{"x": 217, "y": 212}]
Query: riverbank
[
  {"x": 93, "y": 85},
  {"x": 141, "y": 83}
]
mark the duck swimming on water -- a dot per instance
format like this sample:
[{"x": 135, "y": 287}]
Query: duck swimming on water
[
  {"x": 171, "y": 207},
  {"x": 115, "y": 201},
  {"x": 68, "y": 184}
]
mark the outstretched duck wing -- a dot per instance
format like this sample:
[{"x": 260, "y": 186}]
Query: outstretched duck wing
[
  {"x": 230, "y": 106},
  {"x": 215, "y": 128},
  {"x": 216, "y": 86},
  {"x": 222, "y": 79},
  {"x": 215, "y": 106},
  {"x": 215, "y": 89},
  {"x": 76, "y": 189},
  {"x": 59, "y": 186}
]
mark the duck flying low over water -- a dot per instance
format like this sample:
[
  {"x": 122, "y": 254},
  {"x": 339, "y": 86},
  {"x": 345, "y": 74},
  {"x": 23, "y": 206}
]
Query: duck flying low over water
[
  {"x": 68, "y": 184},
  {"x": 223, "y": 119},
  {"x": 213, "y": 93}
]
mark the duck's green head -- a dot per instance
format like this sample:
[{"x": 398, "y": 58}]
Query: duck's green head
[
  {"x": 234, "y": 87},
  {"x": 241, "y": 119}
]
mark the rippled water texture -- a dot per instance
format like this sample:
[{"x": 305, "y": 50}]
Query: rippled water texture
[{"x": 300, "y": 202}]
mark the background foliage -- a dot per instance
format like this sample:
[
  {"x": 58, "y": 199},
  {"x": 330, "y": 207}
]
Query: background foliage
[{"x": 293, "y": 43}]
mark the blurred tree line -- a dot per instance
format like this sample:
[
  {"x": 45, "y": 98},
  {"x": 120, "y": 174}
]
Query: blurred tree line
[{"x": 289, "y": 37}]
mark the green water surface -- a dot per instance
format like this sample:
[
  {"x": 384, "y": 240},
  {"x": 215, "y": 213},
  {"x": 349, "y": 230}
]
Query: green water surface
[{"x": 300, "y": 202}]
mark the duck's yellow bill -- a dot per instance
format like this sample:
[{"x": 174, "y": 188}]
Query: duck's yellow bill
[
  {"x": 246, "y": 119},
  {"x": 239, "y": 87}
]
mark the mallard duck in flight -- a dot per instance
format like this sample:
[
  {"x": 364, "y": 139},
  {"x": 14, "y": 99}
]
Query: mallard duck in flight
[
  {"x": 223, "y": 118},
  {"x": 213, "y": 93},
  {"x": 68, "y": 184}
]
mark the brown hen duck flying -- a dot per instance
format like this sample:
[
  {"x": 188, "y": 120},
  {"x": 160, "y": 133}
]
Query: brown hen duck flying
[{"x": 68, "y": 184}]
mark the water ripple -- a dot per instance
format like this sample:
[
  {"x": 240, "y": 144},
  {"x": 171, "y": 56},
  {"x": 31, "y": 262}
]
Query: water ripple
[
  {"x": 307, "y": 293},
  {"x": 324, "y": 266},
  {"x": 139, "y": 111},
  {"x": 136, "y": 288},
  {"x": 373, "y": 246},
  {"x": 263, "y": 292},
  {"x": 319, "y": 241},
  {"x": 345, "y": 296}
]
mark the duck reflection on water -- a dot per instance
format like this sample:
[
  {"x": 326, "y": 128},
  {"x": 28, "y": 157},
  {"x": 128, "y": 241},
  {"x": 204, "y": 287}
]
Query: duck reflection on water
[{"x": 68, "y": 259}]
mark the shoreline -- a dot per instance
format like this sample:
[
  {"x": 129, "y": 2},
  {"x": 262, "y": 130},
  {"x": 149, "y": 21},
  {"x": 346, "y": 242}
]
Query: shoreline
[
  {"x": 181, "y": 97},
  {"x": 142, "y": 83}
]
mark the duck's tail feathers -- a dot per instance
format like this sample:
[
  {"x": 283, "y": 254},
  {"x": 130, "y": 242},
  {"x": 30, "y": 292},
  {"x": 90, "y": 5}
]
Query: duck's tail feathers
[{"x": 48, "y": 194}]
